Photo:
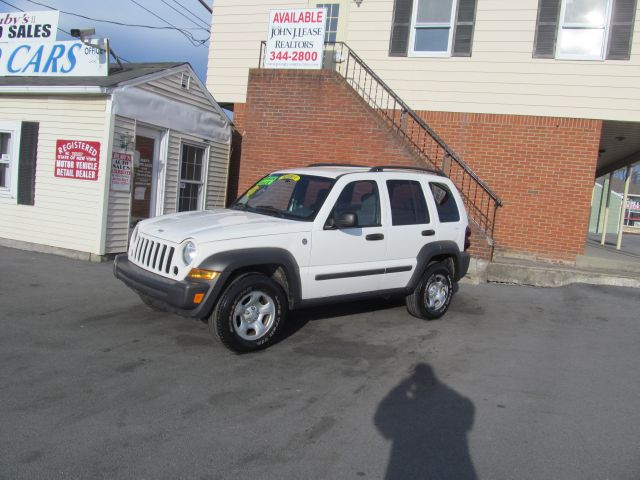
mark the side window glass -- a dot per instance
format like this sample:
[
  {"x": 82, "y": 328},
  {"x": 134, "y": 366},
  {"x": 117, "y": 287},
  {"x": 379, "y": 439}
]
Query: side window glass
[
  {"x": 408, "y": 206},
  {"x": 362, "y": 199},
  {"x": 445, "y": 203}
]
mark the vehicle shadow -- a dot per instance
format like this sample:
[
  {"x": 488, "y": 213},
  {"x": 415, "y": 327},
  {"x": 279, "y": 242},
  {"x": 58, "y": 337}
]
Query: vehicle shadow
[
  {"x": 427, "y": 423},
  {"x": 297, "y": 319}
]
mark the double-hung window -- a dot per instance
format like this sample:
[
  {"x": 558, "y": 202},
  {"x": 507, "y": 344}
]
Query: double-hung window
[
  {"x": 432, "y": 28},
  {"x": 9, "y": 150},
  {"x": 584, "y": 29},
  {"x": 192, "y": 178}
]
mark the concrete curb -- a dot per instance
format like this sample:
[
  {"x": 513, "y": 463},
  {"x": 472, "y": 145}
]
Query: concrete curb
[{"x": 556, "y": 276}]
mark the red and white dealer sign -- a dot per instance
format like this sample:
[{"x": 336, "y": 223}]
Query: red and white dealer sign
[
  {"x": 77, "y": 159},
  {"x": 295, "y": 38}
]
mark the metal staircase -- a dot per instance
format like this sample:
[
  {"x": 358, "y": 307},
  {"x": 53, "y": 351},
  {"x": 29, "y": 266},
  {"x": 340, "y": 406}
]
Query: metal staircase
[{"x": 481, "y": 202}]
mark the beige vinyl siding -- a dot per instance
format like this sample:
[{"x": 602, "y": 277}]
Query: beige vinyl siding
[
  {"x": 65, "y": 213},
  {"x": 217, "y": 172},
  {"x": 119, "y": 207},
  {"x": 500, "y": 77},
  {"x": 237, "y": 29}
]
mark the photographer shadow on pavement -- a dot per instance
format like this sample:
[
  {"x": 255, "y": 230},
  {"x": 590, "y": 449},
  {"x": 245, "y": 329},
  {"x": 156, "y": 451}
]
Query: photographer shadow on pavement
[{"x": 427, "y": 423}]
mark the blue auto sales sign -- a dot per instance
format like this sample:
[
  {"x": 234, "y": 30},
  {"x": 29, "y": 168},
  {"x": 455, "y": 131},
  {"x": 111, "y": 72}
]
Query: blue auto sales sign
[
  {"x": 53, "y": 59},
  {"x": 28, "y": 49}
]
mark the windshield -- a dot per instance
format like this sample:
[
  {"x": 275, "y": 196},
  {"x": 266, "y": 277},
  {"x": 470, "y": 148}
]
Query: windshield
[{"x": 298, "y": 197}]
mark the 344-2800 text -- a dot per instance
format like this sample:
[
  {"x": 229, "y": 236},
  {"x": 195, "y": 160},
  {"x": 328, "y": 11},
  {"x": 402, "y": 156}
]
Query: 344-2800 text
[{"x": 300, "y": 56}]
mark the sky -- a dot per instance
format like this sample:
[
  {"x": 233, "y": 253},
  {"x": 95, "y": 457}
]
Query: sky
[{"x": 136, "y": 44}]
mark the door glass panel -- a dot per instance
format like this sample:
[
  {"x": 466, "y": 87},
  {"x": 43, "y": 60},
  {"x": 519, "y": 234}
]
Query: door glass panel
[
  {"x": 362, "y": 199},
  {"x": 142, "y": 179},
  {"x": 408, "y": 206}
]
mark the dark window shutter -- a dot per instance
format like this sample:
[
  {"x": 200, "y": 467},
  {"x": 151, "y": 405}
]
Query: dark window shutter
[
  {"x": 399, "y": 42},
  {"x": 27, "y": 163},
  {"x": 621, "y": 29},
  {"x": 463, "y": 36},
  {"x": 546, "y": 29}
]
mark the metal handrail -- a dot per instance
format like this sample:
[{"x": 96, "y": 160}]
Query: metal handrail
[{"x": 341, "y": 58}]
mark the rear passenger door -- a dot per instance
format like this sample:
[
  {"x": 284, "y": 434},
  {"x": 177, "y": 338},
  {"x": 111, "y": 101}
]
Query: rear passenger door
[{"x": 411, "y": 228}]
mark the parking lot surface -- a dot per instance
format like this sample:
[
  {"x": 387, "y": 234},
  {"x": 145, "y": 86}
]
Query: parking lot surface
[{"x": 513, "y": 383}]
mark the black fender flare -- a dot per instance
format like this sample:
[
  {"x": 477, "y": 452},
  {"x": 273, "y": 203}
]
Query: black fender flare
[
  {"x": 230, "y": 261},
  {"x": 434, "y": 249}
]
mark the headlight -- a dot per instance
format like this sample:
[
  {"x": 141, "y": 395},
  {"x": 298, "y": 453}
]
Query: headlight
[{"x": 189, "y": 252}]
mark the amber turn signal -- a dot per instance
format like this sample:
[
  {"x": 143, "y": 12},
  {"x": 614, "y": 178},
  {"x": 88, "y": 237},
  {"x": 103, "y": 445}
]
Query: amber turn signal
[
  {"x": 202, "y": 274},
  {"x": 197, "y": 298}
]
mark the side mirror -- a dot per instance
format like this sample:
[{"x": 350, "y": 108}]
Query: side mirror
[{"x": 346, "y": 220}]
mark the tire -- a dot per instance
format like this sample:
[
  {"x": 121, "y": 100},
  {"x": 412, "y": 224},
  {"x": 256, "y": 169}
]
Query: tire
[
  {"x": 250, "y": 313},
  {"x": 152, "y": 304},
  {"x": 431, "y": 298}
]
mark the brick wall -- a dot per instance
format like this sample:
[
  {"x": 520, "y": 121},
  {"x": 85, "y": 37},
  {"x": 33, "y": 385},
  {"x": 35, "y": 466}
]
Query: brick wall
[{"x": 542, "y": 168}]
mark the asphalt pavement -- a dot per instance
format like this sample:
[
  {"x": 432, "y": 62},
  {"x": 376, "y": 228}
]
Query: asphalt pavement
[{"x": 513, "y": 383}]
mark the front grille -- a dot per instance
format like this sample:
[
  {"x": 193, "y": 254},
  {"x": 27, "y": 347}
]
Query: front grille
[{"x": 153, "y": 255}]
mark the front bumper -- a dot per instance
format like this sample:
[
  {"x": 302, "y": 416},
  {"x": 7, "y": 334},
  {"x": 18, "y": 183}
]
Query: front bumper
[{"x": 176, "y": 296}]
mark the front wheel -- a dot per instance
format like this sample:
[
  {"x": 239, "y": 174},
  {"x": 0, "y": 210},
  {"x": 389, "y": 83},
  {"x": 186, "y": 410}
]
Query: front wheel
[
  {"x": 250, "y": 313},
  {"x": 432, "y": 295}
]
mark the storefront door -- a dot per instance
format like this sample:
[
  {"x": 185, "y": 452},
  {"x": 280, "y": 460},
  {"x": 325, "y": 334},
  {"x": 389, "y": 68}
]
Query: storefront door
[{"x": 145, "y": 175}]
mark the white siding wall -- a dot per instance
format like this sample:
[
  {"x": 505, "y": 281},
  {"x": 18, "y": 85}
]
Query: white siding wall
[
  {"x": 171, "y": 87},
  {"x": 119, "y": 202},
  {"x": 501, "y": 76},
  {"x": 66, "y": 213},
  {"x": 216, "y": 188}
]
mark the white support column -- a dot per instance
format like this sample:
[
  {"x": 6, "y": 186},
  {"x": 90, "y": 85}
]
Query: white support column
[
  {"x": 599, "y": 217},
  {"x": 606, "y": 210},
  {"x": 627, "y": 181}
]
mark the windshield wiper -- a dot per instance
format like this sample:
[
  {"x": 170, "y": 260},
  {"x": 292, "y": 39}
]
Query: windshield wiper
[{"x": 268, "y": 209}]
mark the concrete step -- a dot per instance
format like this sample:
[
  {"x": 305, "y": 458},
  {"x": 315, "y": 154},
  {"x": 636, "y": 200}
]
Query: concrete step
[{"x": 524, "y": 272}]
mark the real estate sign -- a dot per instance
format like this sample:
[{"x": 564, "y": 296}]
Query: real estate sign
[
  {"x": 295, "y": 38},
  {"x": 21, "y": 27},
  {"x": 52, "y": 59}
]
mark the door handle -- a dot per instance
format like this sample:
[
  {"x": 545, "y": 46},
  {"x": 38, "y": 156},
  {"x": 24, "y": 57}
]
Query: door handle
[
  {"x": 428, "y": 233},
  {"x": 375, "y": 236}
]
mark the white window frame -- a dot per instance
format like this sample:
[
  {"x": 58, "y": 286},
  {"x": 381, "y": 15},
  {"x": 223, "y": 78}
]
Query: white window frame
[
  {"x": 205, "y": 175},
  {"x": 415, "y": 25},
  {"x": 577, "y": 26},
  {"x": 14, "y": 128}
]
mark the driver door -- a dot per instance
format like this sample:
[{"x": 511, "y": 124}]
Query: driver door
[{"x": 348, "y": 260}]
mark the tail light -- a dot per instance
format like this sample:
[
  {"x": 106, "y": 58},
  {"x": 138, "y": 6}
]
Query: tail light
[{"x": 467, "y": 239}]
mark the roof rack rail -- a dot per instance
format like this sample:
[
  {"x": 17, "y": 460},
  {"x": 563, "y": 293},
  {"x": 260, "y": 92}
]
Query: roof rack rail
[
  {"x": 336, "y": 165},
  {"x": 382, "y": 168}
]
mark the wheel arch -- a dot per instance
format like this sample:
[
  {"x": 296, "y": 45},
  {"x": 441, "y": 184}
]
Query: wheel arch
[
  {"x": 276, "y": 263},
  {"x": 444, "y": 250}
]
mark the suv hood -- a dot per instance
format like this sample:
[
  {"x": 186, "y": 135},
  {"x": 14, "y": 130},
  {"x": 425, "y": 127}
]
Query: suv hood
[{"x": 219, "y": 224}]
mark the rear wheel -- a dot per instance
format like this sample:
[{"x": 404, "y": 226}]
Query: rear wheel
[
  {"x": 432, "y": 295},
  {"x": 250, "y": 313}
]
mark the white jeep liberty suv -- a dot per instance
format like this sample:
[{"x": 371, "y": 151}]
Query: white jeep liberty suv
[{"x": 299, "y": 237}]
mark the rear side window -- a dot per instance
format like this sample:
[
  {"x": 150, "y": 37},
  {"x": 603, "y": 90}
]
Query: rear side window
[
  {"x": 445, "y": 203},
  {"x": 408, "y": 206}
]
